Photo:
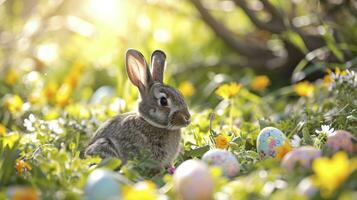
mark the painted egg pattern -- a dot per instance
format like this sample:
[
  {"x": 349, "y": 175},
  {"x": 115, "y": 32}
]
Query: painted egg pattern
[
  {"x": 302, "y": 156},
  {"x": 341, "y": 140},
  {"x": 268, "y": 140},
  {"x": 223, "y": 159}
]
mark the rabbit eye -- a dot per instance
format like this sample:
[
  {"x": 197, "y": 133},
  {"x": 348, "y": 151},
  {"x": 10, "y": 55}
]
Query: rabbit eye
[{"x": 163, "y": 101}]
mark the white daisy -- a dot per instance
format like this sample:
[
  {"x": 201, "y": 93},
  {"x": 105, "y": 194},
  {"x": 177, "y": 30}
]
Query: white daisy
[
  {"x": 295, "y": 141},
  {"x": 326, "y": 129},
  {"x": 28, "y": 123},
  {"x": 349, "y": 78},
  {"x": 54, "y": 126}
]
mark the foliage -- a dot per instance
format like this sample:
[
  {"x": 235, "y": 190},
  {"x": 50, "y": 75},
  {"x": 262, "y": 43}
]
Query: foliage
[
  {"x": 41, "y": 145},
  {"x": 62, "y": 75}
]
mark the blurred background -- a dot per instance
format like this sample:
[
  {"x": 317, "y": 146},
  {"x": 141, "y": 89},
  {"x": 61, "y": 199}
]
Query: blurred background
[{"x": 68, "y": 49}]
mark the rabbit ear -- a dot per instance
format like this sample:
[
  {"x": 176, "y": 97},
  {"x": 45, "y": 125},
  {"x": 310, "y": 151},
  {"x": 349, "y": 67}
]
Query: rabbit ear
[
  {"x": 158, "y": 62},
  {"x": 137, "y": 69}
]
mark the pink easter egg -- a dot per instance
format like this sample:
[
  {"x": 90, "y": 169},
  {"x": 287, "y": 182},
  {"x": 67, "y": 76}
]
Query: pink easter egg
[
  {"x": 341, "y": 140},
  {"x": 192, "y": 181},
  {"x": 302, "y": 156}
]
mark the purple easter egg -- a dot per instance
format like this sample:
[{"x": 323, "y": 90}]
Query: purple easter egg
[
  {"x": 302, "y": 156},
  {"x": 341, "y": 140}
]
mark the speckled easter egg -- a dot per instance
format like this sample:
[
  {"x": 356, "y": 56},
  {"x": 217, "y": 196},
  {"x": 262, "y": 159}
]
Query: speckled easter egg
[
  {"x": 302, "y": 156},
  {"x": 268, "y": 140},
  {"x": 341, "y": 140},
  {"x": 223, "y": 159},
  {"x": 192, "y": 181},
  {"x": 102, "y": 185}
]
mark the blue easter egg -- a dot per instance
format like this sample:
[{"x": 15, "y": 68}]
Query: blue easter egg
[
  {"x": 268, "y": 140},
  {"x": 223, "y": 159},
  {"x": 102, "y": 184}
]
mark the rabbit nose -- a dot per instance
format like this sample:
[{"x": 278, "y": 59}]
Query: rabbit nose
[
  {"x": 186, "y": 116},
  {"x": 181, "y": 117}
]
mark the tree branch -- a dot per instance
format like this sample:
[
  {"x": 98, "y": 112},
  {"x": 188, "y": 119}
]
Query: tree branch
[
  {"x": 228, "y": 37},
  {"x": 272, "y": 9},
  {"x": 273, "y": 26},
  {"x": 260, "y": 65}
]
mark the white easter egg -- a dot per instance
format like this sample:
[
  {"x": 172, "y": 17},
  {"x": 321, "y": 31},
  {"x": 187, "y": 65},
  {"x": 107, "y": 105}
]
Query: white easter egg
[
  {"x": 102, "y": 184},
  {"x": 268, "y": 140},
  {"x": 307, "y": 187},
  {"x": 302, "y": 156},
  {"x": 341, "y": 140},
  {"x": 223, "y": 159},
  {"x": 192, "y": 181}
]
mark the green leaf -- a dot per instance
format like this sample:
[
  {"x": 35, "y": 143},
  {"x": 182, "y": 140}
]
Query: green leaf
[
  {"x": 332, "y": 44},
  {"x": 198, "y": 152},
  {"x": 10, "y": 140},
  {"x": 110, "y": 163},
  {"x": 306, "y": 136},
  {"x": 296, "y": 40}
]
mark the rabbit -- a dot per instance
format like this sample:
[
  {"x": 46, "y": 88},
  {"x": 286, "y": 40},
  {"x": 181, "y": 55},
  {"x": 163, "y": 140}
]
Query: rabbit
[{"x": 155, "y": 127}]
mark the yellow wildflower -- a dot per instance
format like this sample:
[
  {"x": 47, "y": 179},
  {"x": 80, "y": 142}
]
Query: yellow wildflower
[
  {"x": 228, "y": 90},
  {"x": 51, "y": 90},
  {"x": 64, "y": 94},
  {"x": 2, "y": 130},
  {"x": 221, "y": 141},
  {"x": 52, "y": 114},
  {"x": 73, "y": 77},
  {"x": 23, "y": 193},
  {"x": 327, "y": 80},
  {"x": 260, "y": 83},
  {"x": 186, "y": 88},
  {"x": 145, "y": 190},
  {"x": 78, "y": 67},
  {"x": 36, "y": 97},
  {"x": 282, "y": 150},
  {"x": 14, "y": 104},
  {"x": 304, "y": 89},
  {"x": 331, "y": 173},
  {"x": 11, "y": 77},
  {"x": 338, "y": 72},
  {"x": 21, "y": 166}
]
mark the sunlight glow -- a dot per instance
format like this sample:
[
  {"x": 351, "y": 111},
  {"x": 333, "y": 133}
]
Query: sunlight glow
[
  {"x": 162, "y": 35},
  {"x": 80, "y": 26},
  {"x": 107, "y": 11},
  {"x": 143, "y": 22},
  {"x": 47, "y": 52}
]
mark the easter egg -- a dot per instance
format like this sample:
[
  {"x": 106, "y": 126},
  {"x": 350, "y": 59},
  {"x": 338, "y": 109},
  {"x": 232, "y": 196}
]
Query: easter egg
[
  {"x": 192, "y": 181},
  {"x": 341, "y": 140},
  {"x": 307, "y": 187},
  {"x": 223, "y": 159},
  {"x": 23, "y": 192},
  {"x": 269, "y": 139},
  {"x": 302, "y": 156},
  {"x": 102, "y": 184}
]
